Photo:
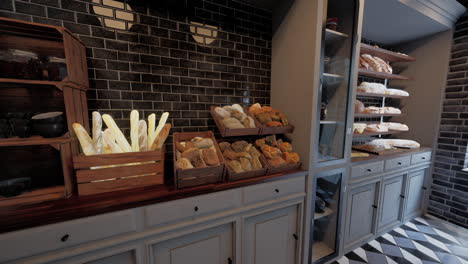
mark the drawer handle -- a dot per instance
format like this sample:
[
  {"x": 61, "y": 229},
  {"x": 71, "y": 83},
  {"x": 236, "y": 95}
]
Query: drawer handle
[
  {"x": 65, "y": 238},
  {"x": 277, "y": 190},
  {"x": 369, "y": 170},
  {"x": 374, "y": 206},
  {"x": 196, "y": 208},
  {"x": 402, "y": 196},
  {"x": 295, "y": 237},
  {"x": 399, "y": 163}
]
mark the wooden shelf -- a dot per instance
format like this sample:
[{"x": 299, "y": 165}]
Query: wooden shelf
[
  {"x": 32, "y": 141},
  {"x": 35, "y": 82},
  {"x": 386, "y": 55},
  {"x": 381, "y": 75},
  {"x": 375, "y": 115},
  {"x": 368, "y": 134},
  {"x": 45, "y": 194},
  {"x": 362, "y": 94}
]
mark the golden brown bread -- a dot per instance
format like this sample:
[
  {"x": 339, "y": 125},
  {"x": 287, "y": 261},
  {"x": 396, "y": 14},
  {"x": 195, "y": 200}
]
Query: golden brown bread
[{"x": 210, "y": 157}]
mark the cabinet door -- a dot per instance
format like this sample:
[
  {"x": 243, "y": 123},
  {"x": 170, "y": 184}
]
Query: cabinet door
[
  {"x": 211, "y": 246},
  {"x": 121, "y": 258},
  {"x": 360, "y": 214},
  {"x": 271, "y": 238},
  {"x": 392, "y": 202},
  {"x": 415, "y": 193}
]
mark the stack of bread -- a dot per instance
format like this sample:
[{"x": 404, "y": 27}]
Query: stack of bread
[
  {"x": 277, "y": 152},
  {"x": 268, "y": 116},
  {"x": 384, "y": 144},
  {"x": 143, "y": 137},
  {"x": 378, "y": 88},
  {"x": 196, "y": 153},
  {"x": 241, "y": 156},
  {"x": 359, "y": 128},
  {"x": 360, "y": 108},
  {"x": 234, "y": 117},
  {"x": 374, "y": 63}
]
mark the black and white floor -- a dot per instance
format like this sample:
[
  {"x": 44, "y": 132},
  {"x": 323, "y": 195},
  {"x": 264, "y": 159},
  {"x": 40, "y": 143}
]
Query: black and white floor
[{"x": 420, "y": 241}]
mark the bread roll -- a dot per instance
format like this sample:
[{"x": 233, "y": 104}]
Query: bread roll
[
  {"x": 210, "y": 157},
  {"x": 374, "y": 65},
  {"x": 235, "y": 166},
  {"x": 396, "y": 92},
  {"x": 238, "y": 108},
  {"x": 390, "y": 110},
  {"x": 224, "y": 145},
  {"x": 183, "y": 164},
  {"x": 359, "y": 107},
  {"x": 222, "y": 113},
  {"x": 232, "y": 123},
  {"x": 358, "y": 128},
  {"x": 203, "y": 143},
  {"x": 396, "y": 126},
  {"x": 246, "y": 164},
  {"x": 291, "y": 157},
  {"x": 239, "y": 146},
  {"x": 277, "y": 162}
]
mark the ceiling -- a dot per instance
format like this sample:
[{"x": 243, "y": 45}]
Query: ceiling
[{"x": 396, "y": 21}]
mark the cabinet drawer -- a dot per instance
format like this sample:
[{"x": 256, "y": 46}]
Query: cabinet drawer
[
  {"x": 273, "y": 190},
  {"x": 396, "y": 163},
  {"x": 421, "y": 157},
  {"x": 367, "y": 169},
  {"x": 187, "y": 209},
  {"x": 52, "y": 237}
]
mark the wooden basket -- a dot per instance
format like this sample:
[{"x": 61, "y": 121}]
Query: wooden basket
[
  {"x": 114, "y": 172},
  {"x": 197, "y": 176},
  {"x": 228, "y": 132},
  {"x": 276, "y": 170},
  {"x": 264, "y": 130}
]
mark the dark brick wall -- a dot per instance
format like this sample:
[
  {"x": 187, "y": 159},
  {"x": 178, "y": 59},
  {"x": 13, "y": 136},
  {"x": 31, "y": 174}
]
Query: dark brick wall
[
  {"x": 154, "y": 64},
  {"x": 449, "y": 195}
]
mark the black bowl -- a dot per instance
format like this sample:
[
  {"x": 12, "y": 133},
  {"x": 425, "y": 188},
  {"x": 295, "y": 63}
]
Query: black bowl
[
  {"x": 21, "y": 127},
  {"x": 48, "y": 118},
  {"x": 48, "y": 130}
]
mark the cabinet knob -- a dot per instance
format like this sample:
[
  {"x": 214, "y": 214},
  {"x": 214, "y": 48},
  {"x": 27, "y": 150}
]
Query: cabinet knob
[
  {"x": 369, "y": 170},
  {"x": 229, "y": 260},
  {"x": 196, "y": 208},
  {"x": 423, "y": 158},
  {"x": 277, "y": 190},
  {"x": 402, "y": 196},
  {"x": 65, "y": 238},
  {"x": 374, "y": 206},
  {"x": 295, "y": 237},
  {"x": 399, "y": 163}
]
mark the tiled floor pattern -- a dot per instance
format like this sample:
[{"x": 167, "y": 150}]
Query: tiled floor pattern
[{"x": 417, "y": 242}]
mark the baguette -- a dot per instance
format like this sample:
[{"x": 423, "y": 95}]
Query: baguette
[
  {"x": 159, "y": 141},
  {"x": 119, "y": 136},
  {"x": 143, "y": 135},
  {"x": 134, "y": 126},
  {"x": 97, "y": 132},
  {"x": 85, "y": 140}
]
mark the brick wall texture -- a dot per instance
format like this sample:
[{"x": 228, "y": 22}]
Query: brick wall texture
[
  {"x": 449, "y": 191},
  {"x": 144, "y": 55}
]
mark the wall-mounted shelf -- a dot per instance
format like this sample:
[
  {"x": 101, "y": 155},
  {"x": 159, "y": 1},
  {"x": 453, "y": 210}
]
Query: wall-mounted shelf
[
  {"x": 362, "y": 94},
  {"x": 381, "y": 75},
  {"x": 33, "y": 141},
  {"x": 385, "y": 54},
  {"x": 375, "y": 115},
  {"x": 368, "y": 134}
]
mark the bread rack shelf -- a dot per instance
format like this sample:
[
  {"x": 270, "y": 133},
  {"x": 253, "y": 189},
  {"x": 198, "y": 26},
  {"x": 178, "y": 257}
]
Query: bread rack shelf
[
  {"x": 368, "y": 134},
  {"x": 32, "y": 141},
  {"x": 362, "y": 94},
  {"x": 385, "y": 54},
  {"x": 375, "y": 115},
  {"x": 381, "y": 75}
]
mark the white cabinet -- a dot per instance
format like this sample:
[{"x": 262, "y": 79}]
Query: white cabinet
[
  {"x": 211, "y": 246},
  {"x": 271, "y": 238},
  {"x": 392, "y": 201},
  {"x": 415, "y": 193},
  {"x": 127, "y": 257}
]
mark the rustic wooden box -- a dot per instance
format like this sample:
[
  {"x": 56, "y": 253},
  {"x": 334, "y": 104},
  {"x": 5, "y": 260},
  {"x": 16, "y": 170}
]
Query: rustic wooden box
[
  {"x": 283, "y": 169},
  {"x": 197, "y": 176},
  {"x": 228, "y": 132},
  {"x": 114, "y": 172},
  {"x": 264, "y": 130}
]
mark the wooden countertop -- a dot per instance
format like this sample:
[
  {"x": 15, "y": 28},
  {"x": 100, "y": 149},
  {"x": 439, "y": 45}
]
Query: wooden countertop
[
  {"x": 14, "y": 218},
  {"x": 373, "y": 158}
]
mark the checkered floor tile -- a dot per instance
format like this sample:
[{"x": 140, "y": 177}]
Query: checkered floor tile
[{"x": 416, "y": 242}]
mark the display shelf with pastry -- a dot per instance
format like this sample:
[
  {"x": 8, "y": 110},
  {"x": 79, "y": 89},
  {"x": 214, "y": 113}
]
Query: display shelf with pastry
[
  {"x": 333, "y": 41},
  {"x": 279, "y": 154},
  {"x": 109, "y": 162},
  {"x": 272, "y": 121},
  {"x": 380, "y": 75},
  {"x": 234, "y": 120},
  {"x": 369, "y": 89},
  {"x": 243, "y": 160},
  {"x": 387, "y": 146},
  {"x": 386, "y": 55},
  {"x": 198, "y": 160}
]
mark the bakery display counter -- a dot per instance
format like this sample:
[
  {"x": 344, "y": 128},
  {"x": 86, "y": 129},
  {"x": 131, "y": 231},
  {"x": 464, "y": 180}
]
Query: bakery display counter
[
  {"x": 31, "y": 215},
  {"x": 403, "y": 152}
]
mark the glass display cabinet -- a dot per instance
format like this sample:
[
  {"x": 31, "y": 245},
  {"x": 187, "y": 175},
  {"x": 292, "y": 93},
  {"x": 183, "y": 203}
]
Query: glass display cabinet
[
  {"x": 326, "y": 208},
  {"x": 338, "y": 77}
]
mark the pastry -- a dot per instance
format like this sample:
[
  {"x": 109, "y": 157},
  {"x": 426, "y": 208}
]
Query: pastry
[
  {"x": 249, "y": 122},
  {"x": 224, "y": 145},
  {"x": 264, "y": 117},
  {"x": 210, "y": 157},
  {"x": 239, "y": 146},
  {"x": 244, "y": 155},
  {"x": 359, "y": 107},
  {"x": 363, "y": 63},
  {"x": 230, "y": 154},
  {"x": 358, "y": 128},
  {"x": 271, "y": 152},
  {"x": 271, "y": 140},
  {"x": 385, "y": 66},
  {"x": 396, "y": 126},
  {"x": 180, "y": 146},
  {"x": 372, "y": 110},
  {"x": 260, "y": 142},
  {"x": 277, "y": 162},
  {"x": 221, "y": 112},
  {"x": 255, "y": 108},
  {"x": 291, "y": 157},
  {"x": 97, "y": 132},
  {"x": 274, "y": 124},
  {"x": 245, "y": 163},
  {"x": 373, "y": 64},
  {"x": 161, "y": 138},
  {"x": 183, "y": 164},
  {"x": 390, "y": 110},
  {"x": 232, "y": 123},
  {"x": 284, "y": 119},
  {"x": 367, "y": 87},
  {"x": 267, "y": 108},
  {"x": 238, "y": 108},
  {"x": 285, "y": 147},
  {"x": 134, "y": 126},
  {"x": 202, "y": 143},
  {"x": 396, "y": 92},
  {"x": 194, "y": 156},
  {"x": 389, "y": 143},
  {"x": 248, "y": 147},
  {"x": 235, "y": 166},
  {"x": 228, "y": 108},
  {"x": 241, "y": 116},
  {"x": 376, "y": 128}
]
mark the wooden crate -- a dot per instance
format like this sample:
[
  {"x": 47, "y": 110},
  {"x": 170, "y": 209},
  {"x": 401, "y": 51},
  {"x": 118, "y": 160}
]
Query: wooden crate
[
  {"x": 114, "y": 172},
  {"x": 197, "y": 176},
  {"x": 264, "y": 130},
  {"x": 276, "y": 170},
  {"x": 228, "y": 132}
]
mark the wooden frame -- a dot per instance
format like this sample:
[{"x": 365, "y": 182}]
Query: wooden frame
[{"x": 197, "y": 176}]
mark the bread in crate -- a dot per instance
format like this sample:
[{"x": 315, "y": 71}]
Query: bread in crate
[
  {"x": 279, "y": 155},
  {"x": 233, "y": 120},
  {"x": 197, "y": 159},
  {"x": 110, "y": 163},
  {"x": 243, "y": 160},
  {"x": 272, "y": 121}
]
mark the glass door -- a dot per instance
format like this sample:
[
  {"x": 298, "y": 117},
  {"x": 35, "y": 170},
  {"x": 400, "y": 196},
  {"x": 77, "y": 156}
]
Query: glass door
[
  {"x": 325, "y": 224},
  {"x": 337, "y": 78}
]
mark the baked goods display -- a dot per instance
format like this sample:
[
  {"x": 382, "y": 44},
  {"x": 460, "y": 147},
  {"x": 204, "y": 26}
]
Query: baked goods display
[
  {"x": 374, "y": 63},
  {"x": 241, "y": 156},
  {"x": 378, "y": 88},
  {"x": 376, "y": 128},
  {"x": 112, "y": 140},
  {"x": 197, "y": 152},
  {"x": 381, "y": 110},
  {"x": 384, "y": 144},
  {"x": 359, "y": 128},
  {"x": 234, "y": 117},
  {"x": 278, "y": 153},
  {"x": 268, "y": 116},
  {"x": 395, "y": 126}
]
